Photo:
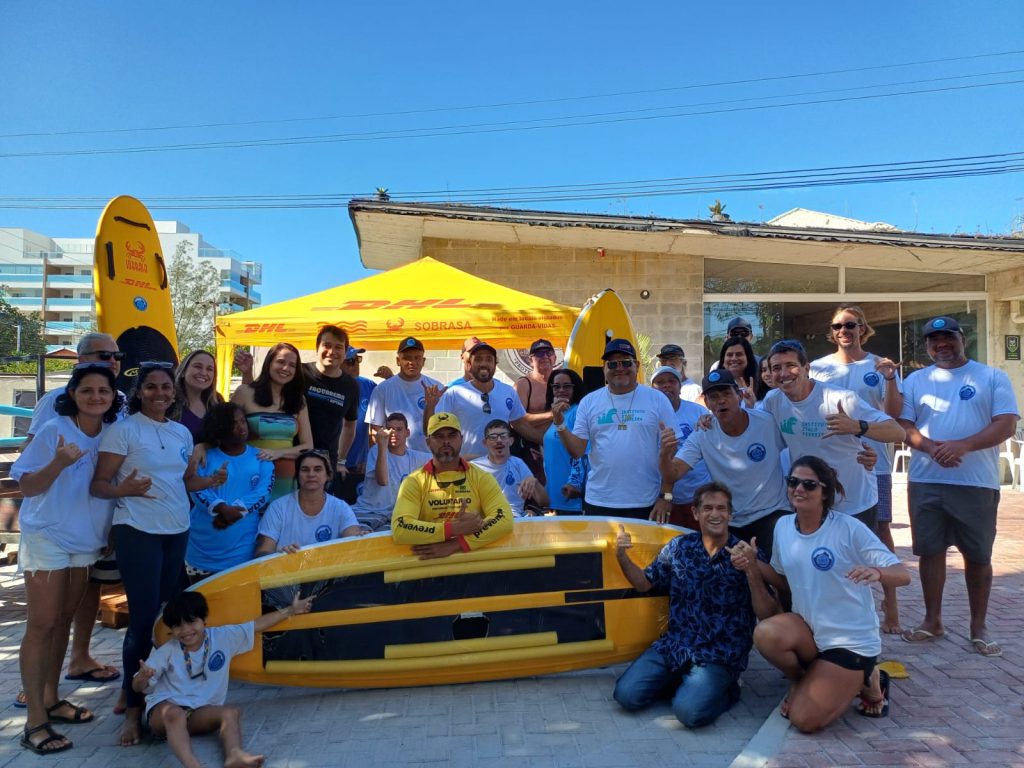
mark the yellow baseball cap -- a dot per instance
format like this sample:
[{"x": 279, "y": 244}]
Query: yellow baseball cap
[{"x": 443, "y": 420}]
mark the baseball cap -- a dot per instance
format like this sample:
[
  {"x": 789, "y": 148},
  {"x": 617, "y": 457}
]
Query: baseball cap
[
  {"x": 481, "y": 345},
  {"x": 940, "y": 324},
  {"x": 618, "y": 345},
  {"x": 468, "y": 344},
  {"x": 410, "y": 342},
  {"x": 670, "y": 350},
  {"x": 352, "y": 352},
  {"x": 443, "y": 420},
  {"x": 716, "y": 379},
  {"x": 739, "y": 322},
  {"x": 541, "y": 344},
  {"x": 666, "y": 369}
]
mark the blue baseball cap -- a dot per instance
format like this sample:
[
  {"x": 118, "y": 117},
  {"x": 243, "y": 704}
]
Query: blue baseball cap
[
  {"x": 620, "y": 346},
  {"x": 940, "y": 325},
  {"x": 353, "y": 352}
]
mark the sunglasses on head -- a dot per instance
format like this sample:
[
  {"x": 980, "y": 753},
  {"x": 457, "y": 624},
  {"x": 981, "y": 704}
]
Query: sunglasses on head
[
  {"x": 106, "y": 356},
  {"x": 615, "y": 364},
  {"x": 98, "y": 365},
  {"x": 486, "y": 397},
  {"x": 161, "y": 364},
  {"x": 848, "y": 325},
  {"x": 806, "y": 484}
]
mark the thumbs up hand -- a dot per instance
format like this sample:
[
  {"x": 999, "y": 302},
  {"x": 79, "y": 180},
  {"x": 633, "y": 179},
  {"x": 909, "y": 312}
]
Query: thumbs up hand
[
  {"x": 841, "y": 424},
  {"x": 623, "y": 540}
]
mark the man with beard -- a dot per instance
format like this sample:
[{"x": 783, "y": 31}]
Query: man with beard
[
  {"x": 622, "y": 423},
  {"x": 957, "y": 413},
  {"x": 447, "y": 505},
  {"x": 478, "y": 401}
]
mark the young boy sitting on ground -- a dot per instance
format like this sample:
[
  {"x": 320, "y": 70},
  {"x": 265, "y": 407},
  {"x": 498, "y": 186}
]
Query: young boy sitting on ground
[{"x": 186, "y": 679}]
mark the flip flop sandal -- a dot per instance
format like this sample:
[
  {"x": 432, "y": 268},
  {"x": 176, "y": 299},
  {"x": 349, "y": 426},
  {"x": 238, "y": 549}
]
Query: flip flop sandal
[
  {"x": 883, "y": 682},
  {"x": 51, "y": 736},
  {"x": 96, "y": 675},
  {"x": 20, "y": 701},
  {"x": 82, "y": 715}
]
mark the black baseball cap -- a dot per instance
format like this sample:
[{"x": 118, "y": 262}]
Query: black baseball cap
[
  {"x": 540, "y": 345},
  {"x": 940, "y": 324},
  {"x": 671, "y": 350},
  {"x": 739, "y": 322},
  {"x": 621, "y": 346},
  {"x": 481, "y": 345},
  {"x": 717, "y": 379},
  {"x": 410, "y": 342}
]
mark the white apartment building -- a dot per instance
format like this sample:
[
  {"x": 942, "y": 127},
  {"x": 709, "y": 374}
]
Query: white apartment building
[{"x": 53, "y": 276}]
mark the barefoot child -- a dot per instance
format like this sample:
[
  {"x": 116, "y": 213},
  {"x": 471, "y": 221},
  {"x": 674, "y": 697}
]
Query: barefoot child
[{"x": 186, "y": 679}]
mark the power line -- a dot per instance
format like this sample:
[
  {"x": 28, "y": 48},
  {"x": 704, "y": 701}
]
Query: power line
[
  {"x": 570, "y": 121},
  {"x": 526, "y": 102}
]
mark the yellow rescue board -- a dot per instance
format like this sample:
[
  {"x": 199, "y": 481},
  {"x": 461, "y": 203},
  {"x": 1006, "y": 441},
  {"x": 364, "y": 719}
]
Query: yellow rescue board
[
  {"x": 550, "y": 598},
  {"x": 133, "y": 298},
  {"x": 604, "y": 317}
]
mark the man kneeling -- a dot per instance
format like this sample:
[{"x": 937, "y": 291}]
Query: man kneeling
[{"x": 712, "y": 610}]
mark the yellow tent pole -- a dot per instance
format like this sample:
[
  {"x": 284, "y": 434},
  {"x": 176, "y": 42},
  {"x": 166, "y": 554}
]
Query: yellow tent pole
[{"x": 225, "y": 361}]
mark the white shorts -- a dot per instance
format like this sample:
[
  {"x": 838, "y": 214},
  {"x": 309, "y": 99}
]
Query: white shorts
[{"x": 38, "y": 552}]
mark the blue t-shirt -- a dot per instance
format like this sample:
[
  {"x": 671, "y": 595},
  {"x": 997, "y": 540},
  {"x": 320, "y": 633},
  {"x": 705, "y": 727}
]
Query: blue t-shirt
[
  {"x": 361, "y": 444},
  {"x": 558, "y": 466},
  {"x": 711, "y": 616},
  {"x": 248, "y": 485}
]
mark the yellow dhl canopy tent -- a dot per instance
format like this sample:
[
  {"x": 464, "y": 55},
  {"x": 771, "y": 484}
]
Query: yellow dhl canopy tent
[{"x": 438, "y": 304}]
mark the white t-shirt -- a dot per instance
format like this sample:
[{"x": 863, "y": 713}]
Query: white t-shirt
[
  {"x": 748, "y": 464},
  {"x": 380, "y": 499},
  {"x": 65, "y": 513},
  {"x": 286, "y": 523},
  {"x": 690, "y": 391},
  {"x": 208, "y": 685},
  {"x": 686, "y": 424},
  {"x": 466, "y": 402},
  {"x": 624, "y": 433},
  {"x": 862, "y": 379},
  {"x": 951, "y": 404},
  {"x": 803, "y": 426},
  {"x": 396, "y": 395},
  {"x": 841, "y": 614},
  {"x": 508, "y": 476},
  {"x": 159, "y": 450}
]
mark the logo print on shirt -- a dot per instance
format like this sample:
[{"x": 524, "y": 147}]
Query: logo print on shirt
[
  {"x": 871, "y": 379},
  {"x": 756, "y": 452},
  {"x": 967, "y": 392},
  {"x": 823, "y": 559},
  {"x": 787, "y": 425},
  {"x": 685, "y": 431},
  {"x": 510, "y": 478},
  {"x": 422, "y": 403},
  {"x": 254, "y": 481},
  {"x": 216, "y": 661},
  {"x": 508, "y": 403},
  {"x": 323, "y": 533}
]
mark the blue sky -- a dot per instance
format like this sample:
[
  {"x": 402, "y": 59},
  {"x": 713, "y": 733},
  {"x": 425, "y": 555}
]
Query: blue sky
[{"x": 97, "y": 66}]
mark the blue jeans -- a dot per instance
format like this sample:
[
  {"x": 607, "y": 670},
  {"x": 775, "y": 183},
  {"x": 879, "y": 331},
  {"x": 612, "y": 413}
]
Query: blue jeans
[
  {"x": 152, "y": 567},
  {"x": 699, "y": 693}
]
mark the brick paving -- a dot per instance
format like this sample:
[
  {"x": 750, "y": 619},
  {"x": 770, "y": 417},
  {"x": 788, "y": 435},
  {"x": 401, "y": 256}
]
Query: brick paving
[{"x": 956, "y": 708}]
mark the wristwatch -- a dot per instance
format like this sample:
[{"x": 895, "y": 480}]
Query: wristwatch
[
  {"x": 561, "y": 427},
  {"x": 667, "y": 496},
  {"x": 863, "y": 428}
]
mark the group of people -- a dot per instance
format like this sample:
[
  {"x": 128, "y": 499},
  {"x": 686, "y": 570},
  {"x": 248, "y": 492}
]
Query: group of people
[{"x": 781, "y": 466}]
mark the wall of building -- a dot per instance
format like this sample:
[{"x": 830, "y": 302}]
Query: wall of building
[{"x": 673, "y": 313}]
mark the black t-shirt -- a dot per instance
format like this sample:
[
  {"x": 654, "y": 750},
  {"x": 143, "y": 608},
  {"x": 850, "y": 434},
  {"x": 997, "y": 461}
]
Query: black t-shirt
[{"x": 330, "y": 401}]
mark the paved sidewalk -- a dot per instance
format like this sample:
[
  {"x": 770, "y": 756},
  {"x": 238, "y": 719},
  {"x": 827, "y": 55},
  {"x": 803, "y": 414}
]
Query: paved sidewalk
[{"x": 956, "y": 708}]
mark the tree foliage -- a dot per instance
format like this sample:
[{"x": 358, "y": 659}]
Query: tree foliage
[
  {"x": 32, "y": 342},
  {"x": 195, "y": 287}
]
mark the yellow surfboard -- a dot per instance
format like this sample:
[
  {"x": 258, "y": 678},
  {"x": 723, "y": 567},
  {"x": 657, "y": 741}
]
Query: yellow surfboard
[
  {"x": 604, "y": 317},
  {"x": 549, "y": 598},
  {"x": 133, "y": 298}
]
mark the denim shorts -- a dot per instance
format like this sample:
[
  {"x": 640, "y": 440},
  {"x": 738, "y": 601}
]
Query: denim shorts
[{"x": 38, "y": 552}]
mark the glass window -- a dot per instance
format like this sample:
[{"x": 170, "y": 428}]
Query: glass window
[
  {"x": 895, "y": 281},
  {"x": 970, "y": 315},
  {"x": 724, "y": 276}
]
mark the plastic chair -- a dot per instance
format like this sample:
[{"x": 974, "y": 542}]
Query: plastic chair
[
  {"x": 1007, "y": 455},
  {"x": 902, "y": 453}
]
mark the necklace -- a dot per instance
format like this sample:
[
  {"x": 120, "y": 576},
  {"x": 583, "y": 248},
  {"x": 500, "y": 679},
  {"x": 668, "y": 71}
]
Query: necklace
[
  {"x": 188, "y": 659},
  {"x": 622, "y": 426},
  {"x": 158, "y": 437}
]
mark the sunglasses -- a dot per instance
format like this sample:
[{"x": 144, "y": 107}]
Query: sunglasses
[
  {"x": 848, "y": 325},
  {"x": 742, "y": 332},
  {"x": 498, "y": 436},
  {"x": 543, "y": 353},
  {"x": 486, "y": 397},
  {"x": 106, "y": 356},
  {"x": 807, "y": 485},
  {"x": 616, "y": 364}
]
